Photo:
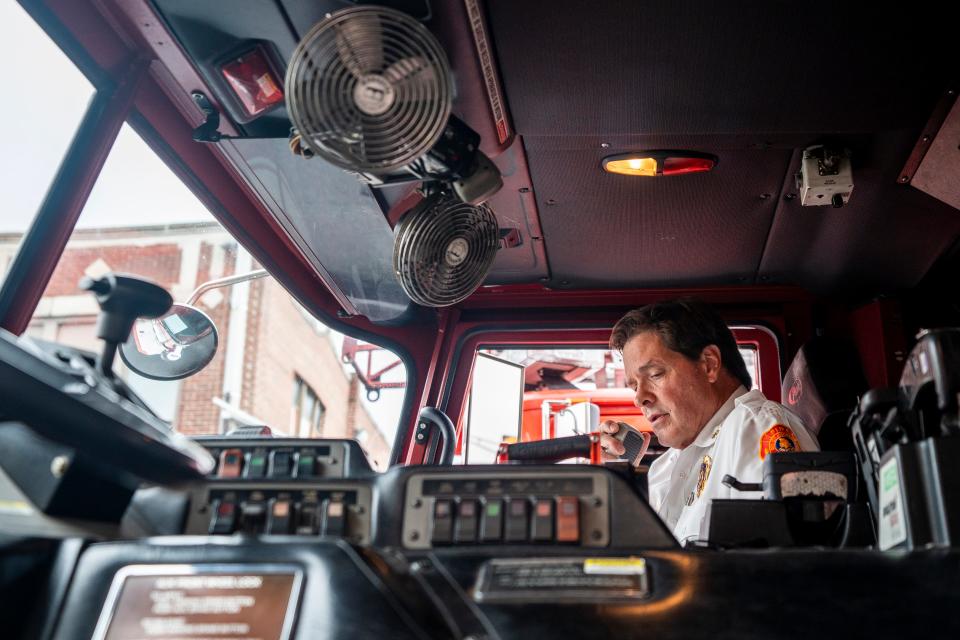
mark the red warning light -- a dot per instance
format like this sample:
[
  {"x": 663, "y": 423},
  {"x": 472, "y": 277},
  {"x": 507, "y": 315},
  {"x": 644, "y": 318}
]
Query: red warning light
[
  {"x": 677, "y": 165},
  {"x": 254, "y": 82}
]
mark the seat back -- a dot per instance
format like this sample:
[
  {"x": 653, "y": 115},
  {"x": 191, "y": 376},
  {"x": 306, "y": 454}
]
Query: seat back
[{"x": 822, "y": 386}]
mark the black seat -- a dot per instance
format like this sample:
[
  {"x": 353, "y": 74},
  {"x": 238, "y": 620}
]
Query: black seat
[{"x": 822, "y": 386}]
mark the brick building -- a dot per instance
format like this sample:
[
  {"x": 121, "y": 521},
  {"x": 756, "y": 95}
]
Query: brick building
[{"x": 275, "y": 365}]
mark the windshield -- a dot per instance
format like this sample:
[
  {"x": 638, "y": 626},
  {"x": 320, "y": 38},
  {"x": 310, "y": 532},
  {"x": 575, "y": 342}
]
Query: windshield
[
  {"x": 36, "y": 131},
  {"x": 275, "y": 366}
]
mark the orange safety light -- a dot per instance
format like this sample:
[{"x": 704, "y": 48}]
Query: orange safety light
[{"x": 659, "y": 163}]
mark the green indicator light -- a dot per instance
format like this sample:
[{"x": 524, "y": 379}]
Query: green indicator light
[
  {"x": 493, "y": 509},
  {"x": 258, "y": 461}
]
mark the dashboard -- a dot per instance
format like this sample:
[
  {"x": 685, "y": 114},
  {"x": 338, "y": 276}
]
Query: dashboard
[
  {"x": 301, "y": 539},
  {"x": 325, "y": 489}
]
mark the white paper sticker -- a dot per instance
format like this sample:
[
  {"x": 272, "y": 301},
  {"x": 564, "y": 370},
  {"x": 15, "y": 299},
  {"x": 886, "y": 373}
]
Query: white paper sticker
[
  {"x": 614, "y": 566},
  {"x": 893, "y": 529}
]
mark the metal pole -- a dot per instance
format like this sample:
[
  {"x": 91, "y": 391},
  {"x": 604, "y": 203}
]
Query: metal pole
[
  {"x": 225, "y": 282},
  {"x": 44, "y": 242}
]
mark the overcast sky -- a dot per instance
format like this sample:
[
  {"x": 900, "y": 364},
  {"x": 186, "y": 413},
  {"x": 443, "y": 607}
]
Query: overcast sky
[{"x": 42, "y": 107}]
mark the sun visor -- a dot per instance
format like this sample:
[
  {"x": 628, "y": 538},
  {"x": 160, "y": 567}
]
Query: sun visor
[{"x": 334, "y": 220}]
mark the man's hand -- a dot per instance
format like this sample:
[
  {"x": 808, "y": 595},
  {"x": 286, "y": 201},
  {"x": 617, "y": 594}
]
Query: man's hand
[{"x": 612, "y": 447}]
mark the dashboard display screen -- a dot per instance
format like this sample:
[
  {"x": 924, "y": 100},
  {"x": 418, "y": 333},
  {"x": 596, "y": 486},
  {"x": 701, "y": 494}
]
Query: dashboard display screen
[{"x": 176, "y": 602}]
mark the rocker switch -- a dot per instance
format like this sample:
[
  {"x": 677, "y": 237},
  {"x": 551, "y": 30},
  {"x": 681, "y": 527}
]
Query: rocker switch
[
  {"x": 224, "y": 519},
  {"x": 517, "y": 524},
  {"x": 279, "y": 517},
  {"x": 568, "y": 519},
  {"x": 491, "y": 520},
  {"x": 442, "y": 522},
  {"x": 465, "y": 529},
  {"x": 541, "y": 526},
  {"x": 334, "y": 522}
]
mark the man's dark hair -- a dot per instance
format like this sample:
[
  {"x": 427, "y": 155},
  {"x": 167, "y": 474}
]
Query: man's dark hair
[{"x": 685, "y": 325}]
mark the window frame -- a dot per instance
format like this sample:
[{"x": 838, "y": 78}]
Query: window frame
[{"x": 318, "y": 409}]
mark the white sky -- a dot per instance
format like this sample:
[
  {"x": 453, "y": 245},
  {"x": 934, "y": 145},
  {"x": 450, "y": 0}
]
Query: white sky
[
  {"x": 37, "y": 127},
  {"x": 45, "y": 101}
]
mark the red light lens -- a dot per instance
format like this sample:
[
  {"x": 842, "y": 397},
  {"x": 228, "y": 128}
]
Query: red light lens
[
  {"x": 676, "y": 166},
  {"x": 253, "y": 82}
]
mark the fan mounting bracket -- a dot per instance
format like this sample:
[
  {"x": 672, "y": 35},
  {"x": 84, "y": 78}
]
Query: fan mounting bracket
[{"x": 206, "y": 132}]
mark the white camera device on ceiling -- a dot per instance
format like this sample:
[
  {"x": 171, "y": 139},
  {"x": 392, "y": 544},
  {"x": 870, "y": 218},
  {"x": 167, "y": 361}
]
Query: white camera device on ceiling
[{"x": 826, "y": 177}]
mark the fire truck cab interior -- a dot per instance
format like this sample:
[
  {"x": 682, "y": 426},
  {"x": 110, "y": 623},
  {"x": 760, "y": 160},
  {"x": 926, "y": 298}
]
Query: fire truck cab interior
[{"x": 453, "y": 179}]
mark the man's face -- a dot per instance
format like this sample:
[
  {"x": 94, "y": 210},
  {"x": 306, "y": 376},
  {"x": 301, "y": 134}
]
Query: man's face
[{"x": 674, "y": 393}]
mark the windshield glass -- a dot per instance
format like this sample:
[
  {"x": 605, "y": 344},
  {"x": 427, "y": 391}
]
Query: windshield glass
[
  {"x": 276, "y": 365},
  {"x": 36, "y": 128}
]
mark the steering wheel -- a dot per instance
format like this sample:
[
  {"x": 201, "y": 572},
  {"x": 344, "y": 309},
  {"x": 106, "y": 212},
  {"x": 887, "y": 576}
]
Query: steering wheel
[{"x": 74, "y": 406}]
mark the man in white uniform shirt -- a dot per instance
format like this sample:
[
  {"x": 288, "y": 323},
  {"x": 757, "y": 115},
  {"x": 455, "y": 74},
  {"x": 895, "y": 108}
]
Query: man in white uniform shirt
[{"x": 692, "y": 385}]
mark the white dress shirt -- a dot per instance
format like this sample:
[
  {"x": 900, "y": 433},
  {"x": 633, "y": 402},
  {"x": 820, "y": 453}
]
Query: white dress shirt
[{"x": 683, "y": 482}]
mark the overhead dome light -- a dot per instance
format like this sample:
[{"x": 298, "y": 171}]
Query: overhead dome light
[
  {"x": 659, "y": 163},
  {"x": 630, "y": 165}
]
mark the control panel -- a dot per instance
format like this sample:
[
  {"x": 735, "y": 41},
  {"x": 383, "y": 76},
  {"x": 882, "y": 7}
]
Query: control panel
[
  {"x": 317, "y": 509},
  {"x": 283, "y": 486},
  {"x": 506, "y": 508},
  {"x": 269, "y": 459}
]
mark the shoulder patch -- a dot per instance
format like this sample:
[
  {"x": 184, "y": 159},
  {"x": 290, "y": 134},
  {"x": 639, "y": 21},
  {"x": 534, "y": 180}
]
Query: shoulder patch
[{"x": 778, "y": 439}]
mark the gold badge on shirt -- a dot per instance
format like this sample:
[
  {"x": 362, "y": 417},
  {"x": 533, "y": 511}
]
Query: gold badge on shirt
[{"x": 705, "y": 465}]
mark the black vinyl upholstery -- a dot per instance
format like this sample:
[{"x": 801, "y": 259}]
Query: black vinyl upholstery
[{"x": 822, "y": 386}]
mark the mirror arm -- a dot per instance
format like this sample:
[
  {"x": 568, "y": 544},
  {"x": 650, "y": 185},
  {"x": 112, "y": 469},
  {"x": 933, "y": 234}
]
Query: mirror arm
[{"x": 225, "y": 282}]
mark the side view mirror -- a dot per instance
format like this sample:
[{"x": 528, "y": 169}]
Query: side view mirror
[
  {"x": 176, "y": 345},
  {"x": 182, "y": 341}
]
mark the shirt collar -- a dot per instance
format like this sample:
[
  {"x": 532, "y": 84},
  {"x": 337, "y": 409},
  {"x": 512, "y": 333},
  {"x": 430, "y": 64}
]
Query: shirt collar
[{"x": 708, "y": 435}]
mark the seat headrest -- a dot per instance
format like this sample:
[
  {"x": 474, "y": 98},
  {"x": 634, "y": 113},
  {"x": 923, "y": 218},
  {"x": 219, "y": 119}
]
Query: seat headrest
[{"x": 824, "y": 378}]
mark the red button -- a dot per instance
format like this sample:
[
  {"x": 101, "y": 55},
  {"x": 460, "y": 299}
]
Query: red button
[{"x": 568, "y": 519}]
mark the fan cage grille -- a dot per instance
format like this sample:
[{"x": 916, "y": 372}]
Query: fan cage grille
[
  {"x": 426, "y": 272},
  {"x": 369, "y": 89}
]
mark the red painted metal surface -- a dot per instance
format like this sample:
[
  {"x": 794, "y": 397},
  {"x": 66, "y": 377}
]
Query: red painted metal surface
[
  {"x": 881, "y": 340},
  {"x": 427, "y": 394},
  {"x": 173, "y": 71},
  {"x": 768, "y": 358},
  {"x": 370, "y": 379},
  {"x": 538, "y": 296}
]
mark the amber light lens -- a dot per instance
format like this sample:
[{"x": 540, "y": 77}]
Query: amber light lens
[{"x": 636, "y": 166}]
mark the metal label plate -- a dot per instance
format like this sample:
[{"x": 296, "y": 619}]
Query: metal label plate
[
  {"x": 601, "y": 579},
  {"x": 181, "y": 601}
]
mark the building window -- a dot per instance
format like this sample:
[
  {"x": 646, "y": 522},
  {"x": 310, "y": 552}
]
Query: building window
[{"x": 308, "y": 410}]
